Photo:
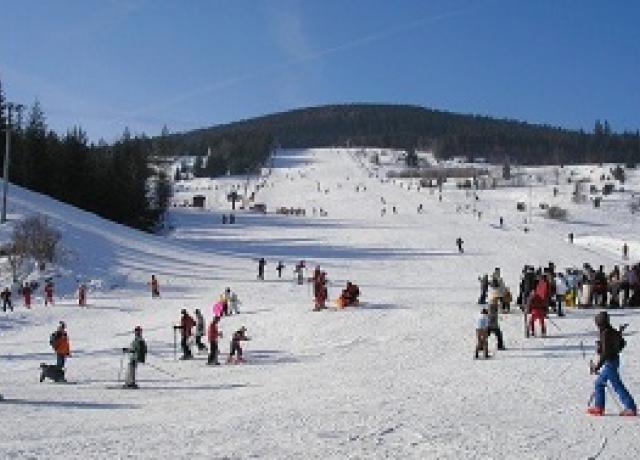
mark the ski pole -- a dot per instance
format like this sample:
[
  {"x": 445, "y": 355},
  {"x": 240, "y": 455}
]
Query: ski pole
[
  {"x": 120, "y": 369},
  {"x": 175, "y": 357},
  {"x": 162, "y": 371}
]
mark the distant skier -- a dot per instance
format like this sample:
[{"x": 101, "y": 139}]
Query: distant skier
[
  {"x": 137, "y": 354},
  {"x": 232, "y": 218},
  {"x": 261, "y": 264},
  {"x": 236, "y": 348},
  {"x": 59, "y": 341},
  {"x": 199, "y": 330},
  {"x": 26, "y": 294},
  {"x": 459, "y": 243},
  {"x": 48, "y": 292},
  {"x": 571, "y": 238},
  {"x": 6, "y": 299},
  {"x": 155, "y": 287},
  {"x": 610, "y": 345},
  {"x": 82, "y": 295},
  {"x": 224, "y": 219},
  {"x": 213, "y": 334},
  {"x": 299, "y": 271},
  {"x": 561, "y": 290},
  {"x": 234, "y": 304},
  {"x": 625, "y": 251},
  {"x": 186, "y": 324},
  {"x": 420, "y": 208},
  {"x": 279, "y": 268},
  {"x": 501, "y": 222},
  {"x": 482, "y": 337}
]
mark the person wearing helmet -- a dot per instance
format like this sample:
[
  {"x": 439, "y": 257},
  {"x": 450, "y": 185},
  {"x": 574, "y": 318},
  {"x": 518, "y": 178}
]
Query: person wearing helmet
[
  {"x": 137, "y": 354},
  {"x": 609, "y": 347}
]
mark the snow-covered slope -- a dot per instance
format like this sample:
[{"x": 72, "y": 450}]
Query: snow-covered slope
[{"x": 393, "y": 378}]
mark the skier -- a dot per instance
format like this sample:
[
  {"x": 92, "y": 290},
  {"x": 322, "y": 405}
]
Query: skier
[
  {"x": 155, "y": 288},
  {"x": 484, "y": 288},
  {"x": 349, "y": 295},
  {"x": 482, "y": 324},
  {"x": 279, "y": 268},
  {"x": 213, "y": 335},
  {"x": 501, "y": 222},
  {"x": 137, "y": 354},
  {"x": 459, "y": 243},
  {"x": 59, "y": 341},
  {"x": 26, "y": 294},
  {"x": 493, "y": 326},
  {"x": 186, "y": 324},
  {"x": 261, "y": 264},
  {"x": 236, "y": 348},
  {"x": 538, "y": 304},
  {"x": 571, "y": 238},
  {"x": 82, "y": 295},
  {"x": 625, "y": 251},
  {"x": 234, "y": 303},
  {"x": 199, "y": 330},
  {"x": 561, "y": 290},
  {"x": 299, "y": 271},
  {"x": 609, "y": 347},
  {"x": 232, "y": 218},
  {"x": 6, "y": 299},
  {"x": 224, "y": 218},
  {"x": 48, "y": 292}
]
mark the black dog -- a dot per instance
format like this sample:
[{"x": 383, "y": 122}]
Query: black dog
[{"x": 53, "y": 372}]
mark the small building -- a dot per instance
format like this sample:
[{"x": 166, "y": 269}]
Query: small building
[{"x": 199, "y": 201}]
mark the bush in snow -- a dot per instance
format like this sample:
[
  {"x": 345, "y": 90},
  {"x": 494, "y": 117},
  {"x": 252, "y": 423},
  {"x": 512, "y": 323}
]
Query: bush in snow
[
  {"x": 35, "y": 238},
  {"x": 556, "y": 212}
]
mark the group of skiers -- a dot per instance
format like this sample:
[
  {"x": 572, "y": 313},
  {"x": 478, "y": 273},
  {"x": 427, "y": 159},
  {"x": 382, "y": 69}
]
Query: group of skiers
[
  {"x": 542, "y": 290},
  {"x": 185, "y": 328},
  {"x": 28, "y": 289}
]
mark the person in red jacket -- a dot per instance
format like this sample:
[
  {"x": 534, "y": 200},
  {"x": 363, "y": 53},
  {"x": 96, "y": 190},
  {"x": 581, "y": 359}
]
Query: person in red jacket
[
  {"x": 186, "y": 325},
  {"x": 213, "y": 334},
  {"x": 26, "y": 294},
  {"x": 48, "y": 292},
  {"x": 538, "y": 305}
]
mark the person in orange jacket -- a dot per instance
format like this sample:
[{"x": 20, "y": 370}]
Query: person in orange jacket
[{"x": 60, "y": 343}]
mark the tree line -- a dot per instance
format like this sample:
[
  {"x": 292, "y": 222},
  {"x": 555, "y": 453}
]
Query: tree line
[
  {"x": 108, "y": 180},
  {"x": 447, "y": 134}
]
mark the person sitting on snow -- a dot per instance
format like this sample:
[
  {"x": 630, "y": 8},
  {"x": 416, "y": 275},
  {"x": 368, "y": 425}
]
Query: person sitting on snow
[
  {"x": 350, "y": 294},
  {"x": 236, "y": 348}
]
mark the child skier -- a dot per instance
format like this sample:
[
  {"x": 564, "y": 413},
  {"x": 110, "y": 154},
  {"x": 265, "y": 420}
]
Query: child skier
[
  {"x": 137, "y": 354},
  {"x": 199, "y": 330},
  {"x": 482, "y": 336},
  {"x": 213, "y": 335},
  {"x": 236, "y": 348},
  {"x": 610, "y": 345}
]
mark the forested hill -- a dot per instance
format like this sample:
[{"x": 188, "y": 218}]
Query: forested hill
[{"x": 449, "y": 134}]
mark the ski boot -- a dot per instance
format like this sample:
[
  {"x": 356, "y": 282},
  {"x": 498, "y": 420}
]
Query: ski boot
[
  {"x": 595, "y": 410},
  {"x": 629, "y": 413}
]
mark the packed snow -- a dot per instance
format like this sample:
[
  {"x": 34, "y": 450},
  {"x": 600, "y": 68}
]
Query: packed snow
[{"x": 392, "y": 378}]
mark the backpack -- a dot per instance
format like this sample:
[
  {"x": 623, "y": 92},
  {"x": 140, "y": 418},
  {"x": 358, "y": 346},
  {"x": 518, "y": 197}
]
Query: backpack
[
  {"x": 621, "y": 342},
  {"x": 53, "y": 338},
  {"x": 142, "y": 351}
]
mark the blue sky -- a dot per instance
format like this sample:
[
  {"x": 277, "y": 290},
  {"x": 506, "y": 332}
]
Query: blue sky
[{"x": 108, "y": 64}]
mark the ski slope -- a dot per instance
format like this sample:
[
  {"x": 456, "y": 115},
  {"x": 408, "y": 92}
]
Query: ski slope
[{"x": 393, "y": 378}]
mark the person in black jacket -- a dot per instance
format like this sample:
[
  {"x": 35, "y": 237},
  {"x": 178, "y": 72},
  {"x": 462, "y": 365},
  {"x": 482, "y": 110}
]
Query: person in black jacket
[{"x": 609, "y": 346}]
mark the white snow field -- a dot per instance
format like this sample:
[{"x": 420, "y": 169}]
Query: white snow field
[{"x": 393, "y": 378}]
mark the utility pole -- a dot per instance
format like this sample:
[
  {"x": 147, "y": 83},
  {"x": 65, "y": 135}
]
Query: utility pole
[{"x": 5, "y": 170}]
